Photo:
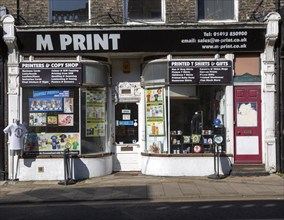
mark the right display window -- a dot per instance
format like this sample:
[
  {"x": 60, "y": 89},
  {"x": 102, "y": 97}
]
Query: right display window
[{"x": 182, "y": 119}]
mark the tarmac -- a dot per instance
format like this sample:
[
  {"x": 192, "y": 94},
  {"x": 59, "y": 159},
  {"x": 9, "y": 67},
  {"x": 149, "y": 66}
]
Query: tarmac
[{"x": 127, "y": 186}]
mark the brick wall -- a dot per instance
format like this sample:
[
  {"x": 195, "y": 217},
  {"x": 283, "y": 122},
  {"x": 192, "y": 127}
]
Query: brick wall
[
  {"x": 107, "y": 12},
  {"x": 178, "y": 11},
  {"x": 252, "y": 10},
  {"x": 31, "y": 12},
  {"x": 35, "y": 12}
]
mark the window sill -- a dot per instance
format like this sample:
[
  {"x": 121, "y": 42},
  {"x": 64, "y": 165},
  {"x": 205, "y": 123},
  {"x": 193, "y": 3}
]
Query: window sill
[
  {"x": 185, "y": 155},
  {"x": 217, "y": 21},
  {"x": 95, "y": 155}
]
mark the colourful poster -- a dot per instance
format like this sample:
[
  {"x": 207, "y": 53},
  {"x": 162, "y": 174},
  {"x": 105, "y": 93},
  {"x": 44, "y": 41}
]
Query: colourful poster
[
  {"x": 37, "y": 119},
  {"x": 155, "y": 112},
  {"x": 65, "y": 120},
  {"x": 155, "y": 128},
  {"x": 51, "y": 143},
  {"x": 45, "y": 104},
  {"x": 95, "y": 112}
]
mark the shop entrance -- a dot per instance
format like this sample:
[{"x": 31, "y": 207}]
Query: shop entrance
[
  {"x": 126, "y": 137},
  {"x": 247, "y": 130}
]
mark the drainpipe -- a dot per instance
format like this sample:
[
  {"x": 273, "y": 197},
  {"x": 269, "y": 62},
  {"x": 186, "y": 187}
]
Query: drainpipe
[
  {"x": 278, "y": 105},
  {"x": 18, "y": 11}
]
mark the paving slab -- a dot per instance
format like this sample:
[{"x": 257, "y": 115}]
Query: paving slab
[{"x": 141, "y": 187}]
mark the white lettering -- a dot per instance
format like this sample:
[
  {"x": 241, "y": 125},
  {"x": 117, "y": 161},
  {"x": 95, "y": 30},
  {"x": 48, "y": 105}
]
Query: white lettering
[
  {"x": 98, "y": 41},
  {"x": 78, "y": 42},
  {"x": 89, "y": 42},
  {"x": 44, "y": 43},
  {"x": 65, "y": 40},
  {"x": 115, "y": 38}
]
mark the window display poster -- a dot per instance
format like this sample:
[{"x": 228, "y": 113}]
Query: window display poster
[
  {"x": 155, "y": 128},
  {"x": 52, "y": 120},
  {"x": 45, "y": 104},
  {"x": 37, "y": 119},
  {"x": 155, "y": 112},
  {"x": 51, "y": 143},
  {"x": 95, "y": 129},
  {"x": 68, "y": 105},
  {"x": 65, "y": 120},
  {"x": 96, "y": 95},
  {"x": 95, "y": 112},
  {"x": 50, "y": 93},
  {"x": 154, "y": 95}
]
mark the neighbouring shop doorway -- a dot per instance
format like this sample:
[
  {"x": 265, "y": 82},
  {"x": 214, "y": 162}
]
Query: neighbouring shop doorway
[{"x": 247, "y": 113}]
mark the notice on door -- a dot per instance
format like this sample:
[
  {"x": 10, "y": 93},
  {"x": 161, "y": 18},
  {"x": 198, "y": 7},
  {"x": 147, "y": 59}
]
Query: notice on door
[
  {"x": 50, "y": 73},
  {"x": 203, "y": 72}
]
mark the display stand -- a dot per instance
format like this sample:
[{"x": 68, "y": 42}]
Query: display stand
[
  {"x": 217, "y": 153},
  {"x": 14, "y": 171},
  {"x": 68, "y": 180}
]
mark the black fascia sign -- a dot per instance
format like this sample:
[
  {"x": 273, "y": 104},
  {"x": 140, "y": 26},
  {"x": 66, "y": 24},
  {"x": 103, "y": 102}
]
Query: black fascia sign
[
  {"x": 50, "y": 73},
  {"x": 141, "y": 40},
  {"x": 201, "y": 72}
]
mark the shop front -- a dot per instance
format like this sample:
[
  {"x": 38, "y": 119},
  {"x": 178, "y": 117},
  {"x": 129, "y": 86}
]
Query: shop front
[{"x": 120, "y": 100}]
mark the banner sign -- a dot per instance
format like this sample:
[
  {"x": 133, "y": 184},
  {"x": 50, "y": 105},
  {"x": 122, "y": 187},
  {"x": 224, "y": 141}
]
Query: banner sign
[
  {"x": 50, "y": 73},
  {"x": 142, "y": 40},
  {"x": 203, "y": 72}
]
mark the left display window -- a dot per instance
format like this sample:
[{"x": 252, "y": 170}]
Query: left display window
[{"x": 52, "y": 119}]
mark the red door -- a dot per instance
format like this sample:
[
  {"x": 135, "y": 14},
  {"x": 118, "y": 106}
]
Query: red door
[{"x": 247, "y": 116}]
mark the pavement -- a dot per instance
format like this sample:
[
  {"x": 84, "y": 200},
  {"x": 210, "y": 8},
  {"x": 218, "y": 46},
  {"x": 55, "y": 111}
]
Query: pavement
[{"x": 126, "y": 186}]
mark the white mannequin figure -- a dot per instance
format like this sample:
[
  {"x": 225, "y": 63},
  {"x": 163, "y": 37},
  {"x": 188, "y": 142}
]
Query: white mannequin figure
[{"x": 16, "y": 133}]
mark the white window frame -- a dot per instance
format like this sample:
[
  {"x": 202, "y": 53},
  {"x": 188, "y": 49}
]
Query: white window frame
[
  {"x": 129, "y": 21},
  {"x": 236, "y": 15}
]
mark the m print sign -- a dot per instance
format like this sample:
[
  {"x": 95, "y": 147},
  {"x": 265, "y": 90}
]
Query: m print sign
[{"x": 78, "y": 42}]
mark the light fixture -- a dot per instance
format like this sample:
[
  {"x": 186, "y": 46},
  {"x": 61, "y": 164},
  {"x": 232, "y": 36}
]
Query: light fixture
[{"x": 126, "y": 66}]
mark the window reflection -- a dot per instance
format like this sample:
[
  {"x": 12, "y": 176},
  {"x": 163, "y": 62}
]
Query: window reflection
[{"x": 68, "y": 11}]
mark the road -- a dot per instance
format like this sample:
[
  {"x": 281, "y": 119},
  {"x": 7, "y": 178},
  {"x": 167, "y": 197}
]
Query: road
[{"x": 245, "y": 209}]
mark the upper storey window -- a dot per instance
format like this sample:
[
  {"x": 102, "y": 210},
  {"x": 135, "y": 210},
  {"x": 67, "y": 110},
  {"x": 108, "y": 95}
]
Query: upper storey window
[
  {"x": 144, "y": 10},
  {"x": 64, "y": 11},
  {"x": 216, "y": 10}
]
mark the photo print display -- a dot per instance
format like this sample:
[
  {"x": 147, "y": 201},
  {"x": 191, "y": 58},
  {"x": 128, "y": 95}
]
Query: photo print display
[
  {"x": 51, "y": 108},
  {"x": 65, "y": 120},
  {"x": 45, "y": 104},
  {"x": 37, "y": 119},
  {"x": 52, "y": 120},
  {"x": 68, "y": 105}
]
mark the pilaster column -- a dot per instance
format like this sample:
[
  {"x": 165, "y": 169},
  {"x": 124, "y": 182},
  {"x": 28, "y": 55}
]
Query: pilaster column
[
  {"x": 12, "y": 66},
  {"x": 268, "y": 95}
]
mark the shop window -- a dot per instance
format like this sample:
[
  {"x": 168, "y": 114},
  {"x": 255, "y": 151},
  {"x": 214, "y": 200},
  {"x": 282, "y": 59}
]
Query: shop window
[
  {"x": 62, "y": 11},
  {"x": 183, "y": 122},
  {"x": 52, "y": 119},
  {"x": 216, "y": 10},
  {"x": 192, "y": 120},
  {"x": 145, "y": 10},
  {"x": 94, "y": 120},
  {"x": 156, "y": 118}
]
